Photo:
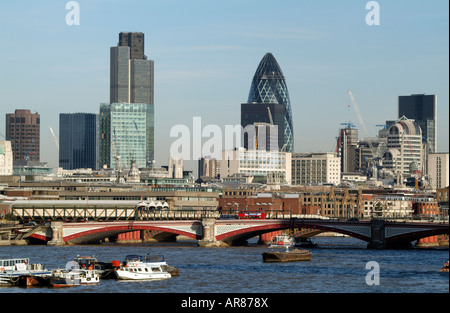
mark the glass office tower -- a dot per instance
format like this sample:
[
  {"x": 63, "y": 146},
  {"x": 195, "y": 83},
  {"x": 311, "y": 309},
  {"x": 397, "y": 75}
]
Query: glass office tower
[
  {"x": 422, "y": 109},
  {"x": 126, "y": 134},
  {"x": 78, "y": 140},
  {"x": 127, "y": 122},
  {"x": 269, "y": 92}
]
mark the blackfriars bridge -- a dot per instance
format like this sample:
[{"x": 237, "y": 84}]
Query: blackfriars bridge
[{"x": 211, "y": 230}]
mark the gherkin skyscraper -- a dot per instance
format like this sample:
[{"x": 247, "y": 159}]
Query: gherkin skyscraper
[{"x": 268, "y": 102}]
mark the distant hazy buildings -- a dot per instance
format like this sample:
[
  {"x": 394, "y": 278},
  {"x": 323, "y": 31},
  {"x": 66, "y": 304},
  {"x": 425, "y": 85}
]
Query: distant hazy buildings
[
  {"x": 422, "y": 109},
  {"x": 368, "y": 150},
  {"x": 23, "y": 130},
  {"x": 78, "y": 141},
  {"x": 6, "y": 158},
  {"x": 268, "y": 102},
  {"x": 208, "y": 168},
  {"x": 127, "y": 122}
]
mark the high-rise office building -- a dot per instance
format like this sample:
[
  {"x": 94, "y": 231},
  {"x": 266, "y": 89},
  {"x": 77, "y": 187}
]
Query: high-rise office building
[
  {"x": 404, "y": 150},
  {"x": 78, "y": 141},
  {"x": 127, "y": 122},
  {"x": 136, "y": 43},
  {"x": 126, "y": 134},
  {"x": 268, "y": 102},
  {"x": 23, "y": 130},
  {"x": 346, "y": 148},
  {"x": 132, "y": 75},
  {"x": 422, "y": 109}
]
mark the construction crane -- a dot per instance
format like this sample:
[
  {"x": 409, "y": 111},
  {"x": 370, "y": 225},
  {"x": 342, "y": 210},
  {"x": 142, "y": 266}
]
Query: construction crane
[
  {"x": 270, "y": 116},
  {"x": 116, "y": 157},
  {"x": 54, "y": 137},
  {"x": 349, "y": 125},
  {"x": 361, "y": 121}
]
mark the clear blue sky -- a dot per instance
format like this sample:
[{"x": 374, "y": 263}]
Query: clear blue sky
[{"x": 206, "y": 52}]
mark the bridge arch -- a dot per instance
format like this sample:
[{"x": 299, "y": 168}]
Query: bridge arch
[
  {"x": 98, "y": 234},
  {"x": 239, "y": 236}
]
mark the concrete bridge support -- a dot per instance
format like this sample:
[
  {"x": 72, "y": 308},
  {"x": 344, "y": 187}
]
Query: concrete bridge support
[
  {"x": 209, "y": 234},
  {"x": 57, "y": 234},
  {"x": 377, "y": 238}
]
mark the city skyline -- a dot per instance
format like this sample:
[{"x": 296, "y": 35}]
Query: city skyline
[{"x": 205, "y": 55}]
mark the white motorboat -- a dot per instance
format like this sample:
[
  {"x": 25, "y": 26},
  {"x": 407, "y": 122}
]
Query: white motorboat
[
  {"x": 137, "y": 267},
  {"x": 89, "y": 276},
  {"x": 64, "y": 278},
  {"x": 11, "y": 270},
  {"x": 87, "y": 267}
]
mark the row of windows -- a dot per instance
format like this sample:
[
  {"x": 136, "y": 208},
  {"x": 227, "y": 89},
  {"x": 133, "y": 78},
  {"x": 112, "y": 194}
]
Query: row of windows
[
  {"x": 21, "y": 120},
  {"x": 145, "y": 269}
]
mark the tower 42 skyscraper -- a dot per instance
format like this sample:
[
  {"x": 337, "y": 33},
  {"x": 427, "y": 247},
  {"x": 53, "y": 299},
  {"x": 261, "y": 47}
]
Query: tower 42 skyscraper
[
  {"x": 268, "y": 102},
  {"x": 127, "y": 122}
]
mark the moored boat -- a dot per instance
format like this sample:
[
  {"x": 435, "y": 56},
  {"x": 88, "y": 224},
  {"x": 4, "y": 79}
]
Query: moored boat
[
  {"x": 105, "y": 270},
  {"x": 137, "y": 267},
  {"x": 289, "y": 255},
  {"x": 64, "y": 278},
  {"x": 11, "y": 271},
  {"x": 89, "y": 269}
]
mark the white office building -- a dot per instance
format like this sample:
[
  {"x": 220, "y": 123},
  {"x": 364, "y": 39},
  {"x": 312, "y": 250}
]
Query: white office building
[
  {"x": 256, "y": 163},
  {"x": 316, "y": 168}
]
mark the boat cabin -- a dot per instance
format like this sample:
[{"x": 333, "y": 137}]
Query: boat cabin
[{"x": 13, "y": 264}]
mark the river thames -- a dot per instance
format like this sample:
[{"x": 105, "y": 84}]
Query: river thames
[{"x": 338, "y": 265}]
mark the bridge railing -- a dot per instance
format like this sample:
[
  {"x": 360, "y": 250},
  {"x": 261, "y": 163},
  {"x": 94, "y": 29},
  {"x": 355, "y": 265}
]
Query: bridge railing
[
  {"x": 108, "y": 214},
  {"x": 256, "y": 214}
]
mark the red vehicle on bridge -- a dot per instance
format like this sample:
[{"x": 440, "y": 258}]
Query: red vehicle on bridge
[{"x": 252, "y": 215}]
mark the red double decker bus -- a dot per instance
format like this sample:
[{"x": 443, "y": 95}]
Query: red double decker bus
[{"x": 252, "y": 215}]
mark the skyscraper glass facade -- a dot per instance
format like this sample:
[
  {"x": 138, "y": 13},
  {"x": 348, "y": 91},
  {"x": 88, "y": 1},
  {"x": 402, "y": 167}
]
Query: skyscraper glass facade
[
  {"x": 422, "y": 109},
  {"x": 127, "y": 122},
  {"x": 269, "y": 88},
  {"x": 126, "y": 134},
  {"x": 78, "y": 141}
]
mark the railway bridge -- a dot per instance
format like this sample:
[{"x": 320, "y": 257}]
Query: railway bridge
[{"x": 211, "y": 230}]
